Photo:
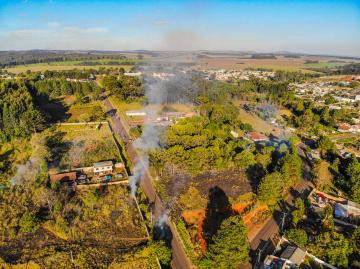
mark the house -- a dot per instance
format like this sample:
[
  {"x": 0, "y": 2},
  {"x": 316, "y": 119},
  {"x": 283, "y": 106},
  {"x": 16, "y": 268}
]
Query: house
[
  {"x": 135, "y": 74},
  {"x": 345, "y": 127},
  {"x": 347, "y": 210},
  {"x": 135, "y": 113},
  {"x": 63, "y": 177},
  {"x": 102, "y": 168},
  {"x": 257, "y": 137},
  {"x": 273, "y": 262},
  {"x": 293, "y": 256}
]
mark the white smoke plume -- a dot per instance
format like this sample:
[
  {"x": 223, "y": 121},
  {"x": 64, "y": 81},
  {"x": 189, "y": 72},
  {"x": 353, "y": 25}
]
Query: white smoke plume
[
  {"x": 28, "y": 171},
  {"x": 164, "y": 83}
]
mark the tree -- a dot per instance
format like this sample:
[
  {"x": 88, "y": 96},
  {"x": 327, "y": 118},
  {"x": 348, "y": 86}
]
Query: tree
[
  {"x": 271, "y": 189},
  {"x": 161, "y": 251},
  {"x": 230, "y": 246},
  {"x": 297, "y": 236},
  {"x": 244, "y": 159},
  {"x": 323, "y": 175},
  {"x": 326, "y": 145},
  {"x": 333, "y": 247},
  {"x": 28, "y": 223},
  {"x": 298, "y": 213},
  {"x": 328, "y": 217},
  {"x": 353, "y": 173}
]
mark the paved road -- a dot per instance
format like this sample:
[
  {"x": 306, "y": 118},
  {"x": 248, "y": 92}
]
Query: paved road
[
  {"x": 180, "y": 260},
  {"x": 268, "y": 236}
]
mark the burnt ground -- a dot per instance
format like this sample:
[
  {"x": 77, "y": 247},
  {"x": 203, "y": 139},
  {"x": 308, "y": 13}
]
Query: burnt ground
[
  {"x": 233, "y": 182},
  {"x": 43, "y": 248}
]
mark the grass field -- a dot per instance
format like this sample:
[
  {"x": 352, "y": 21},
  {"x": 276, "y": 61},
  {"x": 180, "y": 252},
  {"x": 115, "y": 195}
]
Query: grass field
[
  {"x": 84, "y": 144},
  {"x": 79, "y": 113},
  {"x": 322, "y": 65},
  {"x": 280, "y": 63},
  {"x": 257, "y": 123}
]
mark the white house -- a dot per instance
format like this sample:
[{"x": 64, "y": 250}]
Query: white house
[
  {"x": 101, "y": 168},
  {"x": 135, "y": 113}
]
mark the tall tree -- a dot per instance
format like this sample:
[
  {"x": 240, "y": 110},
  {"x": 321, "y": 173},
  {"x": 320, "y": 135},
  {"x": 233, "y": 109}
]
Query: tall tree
[{"x": 229, "y": 247}]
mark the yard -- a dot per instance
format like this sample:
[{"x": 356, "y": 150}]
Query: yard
[{"x": 82, "y": 145}]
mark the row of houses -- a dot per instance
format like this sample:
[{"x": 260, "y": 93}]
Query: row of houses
[{"x": 229, "y": 75}]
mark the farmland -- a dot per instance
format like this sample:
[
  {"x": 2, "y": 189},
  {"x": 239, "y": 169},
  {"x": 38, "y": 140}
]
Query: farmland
[{"x": 280, "y": 63}]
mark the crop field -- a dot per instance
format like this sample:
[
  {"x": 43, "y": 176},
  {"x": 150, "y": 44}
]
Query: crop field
[
  {"x": 280, "y": 63},
  {"x": 82, "y": 145},
  {"x": 288, "y": 64}
]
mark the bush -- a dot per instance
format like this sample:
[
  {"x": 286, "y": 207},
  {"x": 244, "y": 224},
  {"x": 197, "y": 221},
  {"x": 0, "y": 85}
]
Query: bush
[
  {"x": 28, "y": 223},
  {"x": 297, "y": 236}
]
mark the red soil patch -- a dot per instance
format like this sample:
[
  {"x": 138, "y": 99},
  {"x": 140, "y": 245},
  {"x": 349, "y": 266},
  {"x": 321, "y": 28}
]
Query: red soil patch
[
  {"x": 197, "y": 217},
  {"x": 240, "y": 207}
]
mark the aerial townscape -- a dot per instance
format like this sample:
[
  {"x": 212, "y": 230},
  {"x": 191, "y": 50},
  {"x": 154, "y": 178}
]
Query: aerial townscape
[{"x": 179, "y": 134}]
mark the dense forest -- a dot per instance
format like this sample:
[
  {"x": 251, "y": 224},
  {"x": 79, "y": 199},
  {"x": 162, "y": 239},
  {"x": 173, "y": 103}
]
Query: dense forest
[{"x": 11, "y": 58}]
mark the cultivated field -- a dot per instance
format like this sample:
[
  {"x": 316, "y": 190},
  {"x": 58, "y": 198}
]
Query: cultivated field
[{"x": 280, "y": 63}]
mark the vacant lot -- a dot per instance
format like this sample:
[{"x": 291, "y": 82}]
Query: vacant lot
[
  {"x": 257, "y": 123},
  {"x": 82, "y": 145},
  {"x": 79, "y": 113}
]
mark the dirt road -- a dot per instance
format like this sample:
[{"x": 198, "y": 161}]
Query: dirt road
[{"x": 180, "y": 260}]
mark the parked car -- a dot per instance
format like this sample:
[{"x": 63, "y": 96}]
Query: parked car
[{"x": 119, "y": 175}]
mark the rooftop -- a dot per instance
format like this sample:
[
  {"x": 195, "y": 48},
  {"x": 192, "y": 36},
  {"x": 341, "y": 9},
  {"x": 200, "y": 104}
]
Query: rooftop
[
  {"x": 294, "y": 254},
  {"x": 102, "y": 164}
]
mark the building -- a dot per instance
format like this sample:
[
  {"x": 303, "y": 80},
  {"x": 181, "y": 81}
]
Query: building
[
  {"x": 257, "y": 137},
  {"x": 293, "y": 256},
  {"x": 347, "y": 210},
  {"x": 63, "y": 177},
  {"x": 345, "y": 127},
  {"x": 102, "y": 168},
  {"x": 135, "y": 113},
  {"x": 273, "y": 262}
]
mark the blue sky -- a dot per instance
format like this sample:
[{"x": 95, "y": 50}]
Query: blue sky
[{"x": 329, "y": 27}]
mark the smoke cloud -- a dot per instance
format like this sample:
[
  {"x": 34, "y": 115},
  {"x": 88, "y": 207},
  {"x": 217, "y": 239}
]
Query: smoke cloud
[{"x": 164, "y": 82}]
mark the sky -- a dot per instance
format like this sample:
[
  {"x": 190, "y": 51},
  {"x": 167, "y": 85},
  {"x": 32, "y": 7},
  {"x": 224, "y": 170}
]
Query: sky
[{"x": 321, "y": 27}]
